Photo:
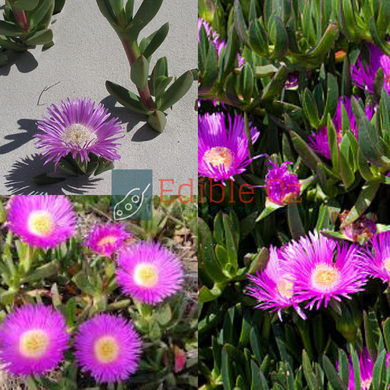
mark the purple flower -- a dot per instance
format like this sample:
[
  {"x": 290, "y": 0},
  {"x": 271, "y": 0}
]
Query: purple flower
[
  {"x": 281, "y": 184},
  {"x": 223, "y": 153},
  {"x": 107, "y": 239},
  {"x": 376, "y": 259},
  {"x": 274, "y": 287},
  {"x": 33, "y": 340},
  {"x": 318, "y": 277},
  {"x": 43, "y": 221},
  {"x": 360, "y": 230},
  {"x": 363, "y": 74},
  {"x": 214, "y": 37},
  {"x": 109, "y": 348},
  {"x": 76, "y": 127},
  {"x": 319, "y": 141},
  {"x": 366, "y": 366},
  {"x": 149, "y": 272}
]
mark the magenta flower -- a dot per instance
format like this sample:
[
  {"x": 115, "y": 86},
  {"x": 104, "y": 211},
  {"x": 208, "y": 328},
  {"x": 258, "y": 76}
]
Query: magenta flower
[
  {"x": 363, "y": 74},
  {"x": 223, "y": 153},
  {"x": 319, "y": 141},
  {"x": 149, "y": 272},
  {"x": 281, "y": 184},
  {"x": 107, "y": 239},
  {"x": 318, "y": 277},
  {"x": 274, "y": 287},
  {"x": 376, "y": 259},
  {"x": 109, "y": 348},
  {"x": 77, "y": 128},
  {"x": 43, "y": 221},
  {"x": 214, "y": 38},
  {"x": 366, "y": 367},
  {"x": 33, "y": 340}
]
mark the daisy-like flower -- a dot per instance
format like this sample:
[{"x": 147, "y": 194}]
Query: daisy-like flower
[
  {"x": 323, "y": 270},
  {"x": 77, "y": 128},
  {"x": 149, "y": 272},
  {"x": 43, "y": 221},
  {"x": 107, "y": 239},
  {"x": 376, "y": 259},
  {"x": 363, "y": 74},
  {"x": 214, "y": 38},
  {"x": 109, "y": 348},
  {"x": 33, "y": 340},
  {"x": 319, "y": 141},
  {"x": 274, "y": 287},
  {"x": 281, "y": 184},
  {"x": 223, "y": 153}
]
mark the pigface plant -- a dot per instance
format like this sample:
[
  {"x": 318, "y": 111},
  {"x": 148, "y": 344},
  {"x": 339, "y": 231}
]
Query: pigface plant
[
  {"x": 26, "y": 24},
  {"x": 155, "y": 96}
]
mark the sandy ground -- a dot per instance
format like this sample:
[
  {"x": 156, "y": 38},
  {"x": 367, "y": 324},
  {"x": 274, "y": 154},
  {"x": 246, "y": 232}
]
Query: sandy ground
[{"x": 87, "y": 52}]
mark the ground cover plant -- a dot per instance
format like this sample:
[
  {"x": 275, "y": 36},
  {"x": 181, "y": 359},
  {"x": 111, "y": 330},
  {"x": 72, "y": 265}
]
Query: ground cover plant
[
  {"x": 293, "y": 164},
  {"x": 128, "y": 24},
  {"x": 26, "y": 23},
  {"x": 91, "y": 304}
]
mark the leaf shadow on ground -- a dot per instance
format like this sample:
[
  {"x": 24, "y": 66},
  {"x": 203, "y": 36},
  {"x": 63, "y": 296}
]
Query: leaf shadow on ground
[
  {"x": 25, "y": 62},
  {"x": 144, "y": 133},
  {"x": 19, "y": 180},
  {"x": 17, "y": 140}
]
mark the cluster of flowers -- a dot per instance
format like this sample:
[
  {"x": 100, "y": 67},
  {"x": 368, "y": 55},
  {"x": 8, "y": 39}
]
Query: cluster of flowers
[
  {"x": 34, "y": 337},
  {"x": 317, "y": 269},
  {"x": 363, "y": 76},
  {"x": 225, "y": 151}
]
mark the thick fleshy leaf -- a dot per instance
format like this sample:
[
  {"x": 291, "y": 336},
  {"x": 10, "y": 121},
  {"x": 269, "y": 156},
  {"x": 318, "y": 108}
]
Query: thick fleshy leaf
[
  {"x": 140, "y": 72},
  {"x": 177, "y": 90},
  {"x": 24, "y": 5},
  {"x": 126, "y": 98}
]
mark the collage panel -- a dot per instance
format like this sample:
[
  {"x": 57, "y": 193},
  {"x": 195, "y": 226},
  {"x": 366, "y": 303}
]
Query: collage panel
[
  {"x": 88, "y": 303},
  {"x": 294, "y": 162},
  {"x": 91, "y": 86}
]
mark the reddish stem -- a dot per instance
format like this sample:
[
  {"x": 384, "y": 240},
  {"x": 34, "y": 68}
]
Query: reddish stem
[
  {"x": 132, "y": 53},
  {"x": 20, "y": 17}
]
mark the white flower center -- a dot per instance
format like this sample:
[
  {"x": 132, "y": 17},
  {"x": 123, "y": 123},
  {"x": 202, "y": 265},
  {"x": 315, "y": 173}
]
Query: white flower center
[
  {"x": 146, "y": 275},
  {"x": 33, "y": 343},
  {"x": 106, "y": 349},
  {"x": 366, "y": 384},
  {"x": 41, "y": 223},
  {"x": 325, "y": 277},
  {"x": 219, "y": 156},
  {"x": 79, "y": 135},
  {"x": 386, "y": 264},
  {"x": 285, "y": 287}
]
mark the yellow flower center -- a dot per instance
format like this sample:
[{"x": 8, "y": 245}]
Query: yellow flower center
[
  {"x": 106, "y": 349},
  {"x": 41, "y": 223},
  {"x": 33, "y": 343},
  {"x": 285, "y": 287},
  {"x": 386, "y": 264},
  {"x": 219, "y": 156},
  {"x": 325, "y": 277},
  {"x": 366, "y": 384},
  {"x": 79, "y": 135},
  {"x": 146, "y": 275},
  {"x": 109, "y": 240}
]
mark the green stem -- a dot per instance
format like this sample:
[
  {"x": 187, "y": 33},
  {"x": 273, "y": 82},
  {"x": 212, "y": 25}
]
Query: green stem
[
  {"x": 20, "y": 17},
  {"x": 30, "y": 383}
]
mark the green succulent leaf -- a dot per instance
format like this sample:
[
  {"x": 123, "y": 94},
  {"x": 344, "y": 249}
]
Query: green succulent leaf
[{"x": 176, "y": 91}]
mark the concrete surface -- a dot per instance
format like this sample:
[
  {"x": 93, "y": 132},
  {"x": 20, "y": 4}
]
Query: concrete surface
[{"x": 87, "y": 52}]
